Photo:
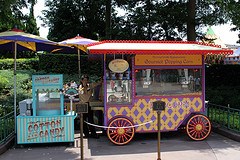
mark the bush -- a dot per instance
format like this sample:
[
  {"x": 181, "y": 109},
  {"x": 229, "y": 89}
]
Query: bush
[
  {"x": 5, "y": 109},
  {"x": 222, "y": 85},
  {"x": 3, "y": 83},
  {"x": 22, "y": 64},
  {"x": 23, "y": 86},
  {"x": 222, "y": 75},
  {"x": 68, "y": 64}
]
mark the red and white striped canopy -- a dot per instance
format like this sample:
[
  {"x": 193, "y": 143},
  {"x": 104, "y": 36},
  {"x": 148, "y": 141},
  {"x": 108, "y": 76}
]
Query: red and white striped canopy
[{"x": 154, "y": 47}]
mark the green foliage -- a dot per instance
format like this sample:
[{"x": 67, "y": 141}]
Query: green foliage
[
  {"x": 68, "y": 64},
  {"x": 233, "y": 8},
  {"x": 222, "y": 85},
  {"x": 145, "y": 19},
  {"x": 23, "y": 86},
  {"x": 227, "y": 117},
  {"x": 31, "y": 24},
  {"x": 5, "y": 109},
  {"x": 222, "y": 75},
  {"x": 11, "y": 14},
  {"x": 22, "y": 64},
  {"x": 6, "y": 126},
  {"x": 67, "y": 18},
  {"x": 3, "y": 83},
  {"x": 224, "y": 95}
]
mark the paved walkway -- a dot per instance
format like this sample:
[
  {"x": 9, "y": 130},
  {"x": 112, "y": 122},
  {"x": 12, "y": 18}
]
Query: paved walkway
[{"x": 142, "y": 147}]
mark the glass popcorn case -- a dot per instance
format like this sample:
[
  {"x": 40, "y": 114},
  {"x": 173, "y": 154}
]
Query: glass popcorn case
[{"x": 119, "y": 91}]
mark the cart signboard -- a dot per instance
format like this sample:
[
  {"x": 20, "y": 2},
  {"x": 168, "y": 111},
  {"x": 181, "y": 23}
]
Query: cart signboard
[
  {"x": 159, "y": 105},
  {"x": 81, "y": 108},
  {"x": 118, "y": 65}
]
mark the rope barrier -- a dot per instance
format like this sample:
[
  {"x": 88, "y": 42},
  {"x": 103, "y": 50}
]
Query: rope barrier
[{"x": 118, "y": 127}]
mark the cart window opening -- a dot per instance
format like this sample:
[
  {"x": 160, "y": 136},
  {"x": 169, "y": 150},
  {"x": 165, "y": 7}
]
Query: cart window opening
[
  {"x": 48, "y": 102},
  {"x": 168, "y": 81},
  {"x": 119, "y": 79}
]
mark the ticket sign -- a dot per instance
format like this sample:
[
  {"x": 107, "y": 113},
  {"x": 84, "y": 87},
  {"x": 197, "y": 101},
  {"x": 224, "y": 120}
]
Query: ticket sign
[
  {"x": 81, "y": 108},
  {"x": 159, "y": 105},
  {"x": 168, "y": 60}
]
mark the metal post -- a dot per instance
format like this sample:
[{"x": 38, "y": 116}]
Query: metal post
[
  {"x": 71, "y": 103},
  {"x": 4, "y": 128},
  {"x": 15, "y": 91},
  {"x": 81, "y": 135},
  {"x": 79, "y": 63},
  {"x": 228, "y": 116},
  {"x": 159, "y": 134}
]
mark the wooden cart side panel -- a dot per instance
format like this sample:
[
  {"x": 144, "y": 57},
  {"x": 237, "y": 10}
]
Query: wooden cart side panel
[{"x": 145, "y": 119}]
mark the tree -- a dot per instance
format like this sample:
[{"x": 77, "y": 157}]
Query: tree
[
  {"x": 232, "y": 10},
  {"x": 67, "y": 18},
  {"x": 143, "y": 19},
  {"x": 108, "y": 18},
  {"x": 31, "y": 24},
  {"x": 11, "y": 15},
  {"x": 178, "y": 19},
  {"x": 191, "y": 8},
  {"x": 152, "y": 19}
]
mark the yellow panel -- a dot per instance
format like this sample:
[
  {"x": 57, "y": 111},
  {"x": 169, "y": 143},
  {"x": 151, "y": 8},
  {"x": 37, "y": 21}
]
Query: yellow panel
[
  {"x": 176, "y": 111},
  {"x": 168, "y": 60}
]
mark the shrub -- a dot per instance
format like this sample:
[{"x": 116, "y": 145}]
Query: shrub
[
  {"x": 68, "y": 64},
  {"x": 222, "y": 85},
  {"x": 23, "y": 86},
  {"x": 22, "y": 64},
  {"x": 3, "y": 83}
]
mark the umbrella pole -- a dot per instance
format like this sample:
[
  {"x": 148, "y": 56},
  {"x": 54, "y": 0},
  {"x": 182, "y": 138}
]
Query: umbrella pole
[
  {"x": 15, "y": 90},
  {"x": 79, "y": 65}
]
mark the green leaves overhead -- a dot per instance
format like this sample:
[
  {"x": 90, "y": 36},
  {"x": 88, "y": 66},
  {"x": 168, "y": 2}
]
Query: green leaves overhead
[
  {"x": 11, "y": 16},
  {"x": 67, "y": 18},
  {"x": 130, "y": 19}
]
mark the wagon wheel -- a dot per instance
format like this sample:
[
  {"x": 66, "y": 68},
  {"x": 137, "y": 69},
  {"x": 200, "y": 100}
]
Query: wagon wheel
[
  {"x": 120, "y": 131},
  {"x": 198, "y": 127}
]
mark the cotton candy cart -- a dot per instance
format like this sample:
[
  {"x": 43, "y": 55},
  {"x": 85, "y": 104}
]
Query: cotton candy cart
[
  {"x": 42, "y": 118},
  {"x": 138, "y": 73}
]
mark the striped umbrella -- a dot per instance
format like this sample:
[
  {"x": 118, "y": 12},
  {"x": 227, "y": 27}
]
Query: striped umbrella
[
  {"x": 81, "y": 44},
  {"x": 16, "y": 40}
]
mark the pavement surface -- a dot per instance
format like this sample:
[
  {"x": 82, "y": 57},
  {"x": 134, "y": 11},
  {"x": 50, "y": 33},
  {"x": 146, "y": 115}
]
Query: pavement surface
[{"x": 174, "y": 145}]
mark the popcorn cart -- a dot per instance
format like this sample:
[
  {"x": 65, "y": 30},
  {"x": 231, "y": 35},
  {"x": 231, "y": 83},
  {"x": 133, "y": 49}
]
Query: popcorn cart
[
  {"x": 42, "y": 118},
  {"x": 138, "y": 73}
]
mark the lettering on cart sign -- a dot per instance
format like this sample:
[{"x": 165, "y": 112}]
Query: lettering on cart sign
[
  {"x": 47, "y": 129},
  {"x": 178, "y": 104},
  {"x": 46, "y": 80}
]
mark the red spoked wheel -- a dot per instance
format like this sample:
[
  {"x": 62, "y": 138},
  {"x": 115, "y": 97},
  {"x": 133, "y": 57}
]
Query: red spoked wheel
[
  {"x": 198, "y": 127},
  {"x": 120, "y": 131}
]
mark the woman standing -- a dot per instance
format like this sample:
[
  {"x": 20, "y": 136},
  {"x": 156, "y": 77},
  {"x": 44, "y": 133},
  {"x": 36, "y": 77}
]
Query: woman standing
[{"x": 85, "y": 95}]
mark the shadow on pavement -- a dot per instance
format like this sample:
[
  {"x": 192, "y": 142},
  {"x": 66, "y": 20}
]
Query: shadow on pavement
[
  {"x": 47, "y": 151},
  {"x": 147, "y": 143},
  {"x": 173, "y": 144}
]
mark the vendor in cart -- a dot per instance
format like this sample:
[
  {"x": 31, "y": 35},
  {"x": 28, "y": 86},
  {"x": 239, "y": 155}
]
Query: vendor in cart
[{"x": 85, "y": 95}]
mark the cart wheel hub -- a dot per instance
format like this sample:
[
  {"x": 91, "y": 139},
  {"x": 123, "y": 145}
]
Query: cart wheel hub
[
  {"x": 120, "y": 131},
  {"x": 199, "y": 127}
]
